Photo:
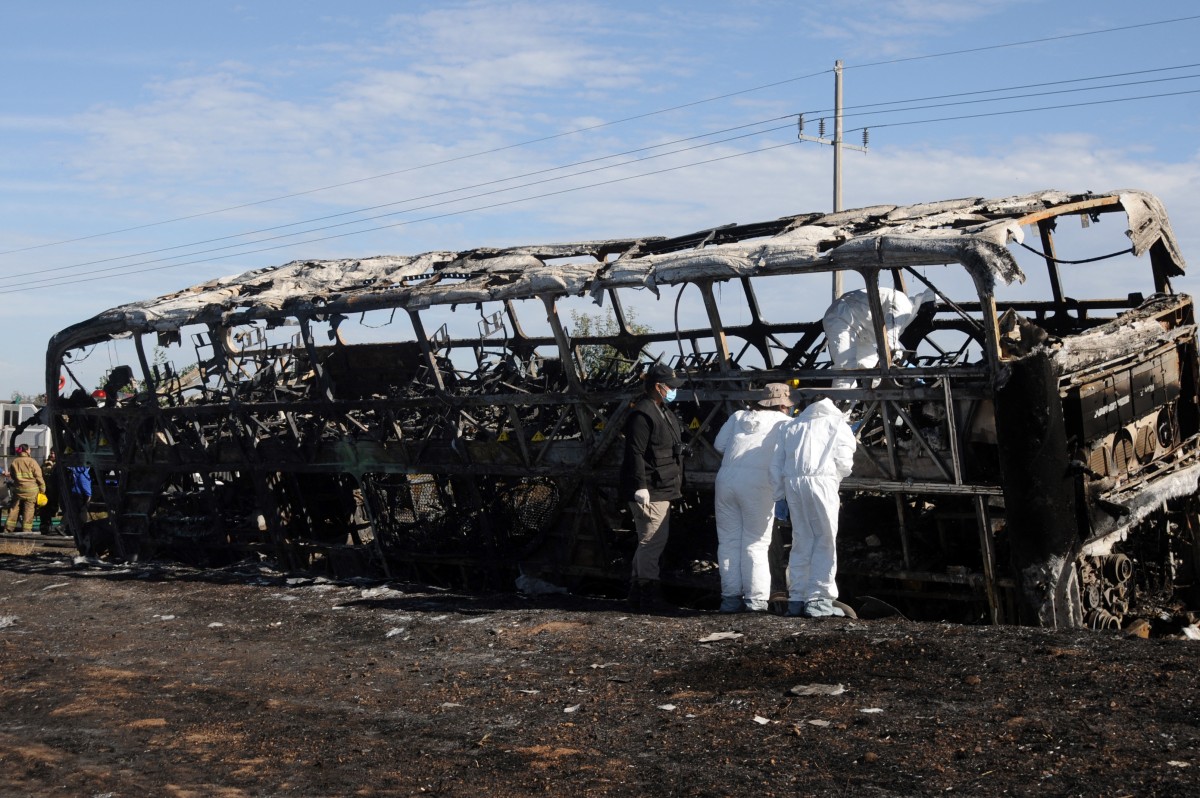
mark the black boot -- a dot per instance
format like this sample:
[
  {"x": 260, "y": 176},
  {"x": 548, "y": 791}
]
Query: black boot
[
  {"x": 652, "y": 598},
  {"x": 634, "y": 599}
]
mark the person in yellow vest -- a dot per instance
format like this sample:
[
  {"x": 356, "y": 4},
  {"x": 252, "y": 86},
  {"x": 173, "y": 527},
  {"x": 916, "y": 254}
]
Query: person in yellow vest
[{"x": 26, "y": 475}]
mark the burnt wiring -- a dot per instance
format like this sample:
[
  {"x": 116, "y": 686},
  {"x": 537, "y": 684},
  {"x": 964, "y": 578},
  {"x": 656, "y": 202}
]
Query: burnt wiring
[
  {"x": 949, "y": 302},
  {"x": 86, "y": 353},
  {"x": 678, "y": 335},
  {"x": 362, "y": 321},
  {"x": 679, "y": 339},
  {"x": 1085, "y": 260}
]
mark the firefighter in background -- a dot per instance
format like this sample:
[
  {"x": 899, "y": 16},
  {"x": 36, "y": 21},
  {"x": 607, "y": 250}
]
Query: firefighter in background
[
  {"x": 47, "y": 512},
  {"x": 26, "y": 475}
]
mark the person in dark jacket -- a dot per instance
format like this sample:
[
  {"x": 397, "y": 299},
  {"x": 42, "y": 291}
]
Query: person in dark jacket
[
  {"x": 651, "y": 478},
  {"x": 47, "y": 512}
]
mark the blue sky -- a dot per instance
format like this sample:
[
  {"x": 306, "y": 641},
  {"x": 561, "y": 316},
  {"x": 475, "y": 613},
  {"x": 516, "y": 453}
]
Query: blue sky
[{"x": 129, "y": 128}]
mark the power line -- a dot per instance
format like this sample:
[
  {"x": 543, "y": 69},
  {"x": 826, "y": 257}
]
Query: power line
[
  {"x": 601, "y": 125},
  {"x": 1042, "y": 40},
  {"x": 431, "y": 164},
  {"x": 645, "y": 149},
  {"x": 634, "y": 151},
  {"x": 1022, "y": 96},
  {"x": 584, "y": 162},
  {"x": 126, "y": 266},
  {"x": 1006, "y": 88},
  {"x": 51, "y": 282},
  {"x": 54, "y": 282},
  {"x": 1026, "y": 110}
]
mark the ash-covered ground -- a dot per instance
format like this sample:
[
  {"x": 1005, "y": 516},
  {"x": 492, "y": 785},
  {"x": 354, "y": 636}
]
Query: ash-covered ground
[{"x": 155, "y": 680}]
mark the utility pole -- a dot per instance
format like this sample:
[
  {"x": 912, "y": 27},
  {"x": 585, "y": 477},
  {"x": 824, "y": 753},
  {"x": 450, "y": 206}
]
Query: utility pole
[
  {"x": 837, "y": 137},
  {"x": 837, "y": 145}
]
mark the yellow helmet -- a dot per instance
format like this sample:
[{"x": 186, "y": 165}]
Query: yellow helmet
[{"x": 42, "y": 500}]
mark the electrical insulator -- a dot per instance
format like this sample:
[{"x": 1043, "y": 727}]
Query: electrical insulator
[
  {"x": 866, "y": 137},
  {"x": 821, "y": 129},
  {"x": 799, "y": 125}
]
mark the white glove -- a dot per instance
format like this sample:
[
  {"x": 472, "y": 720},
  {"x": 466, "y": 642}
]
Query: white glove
[{"x": 641, "y": 496}]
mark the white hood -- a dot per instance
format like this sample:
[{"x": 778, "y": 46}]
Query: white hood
[
  {"x": 821, "y": 407},
  {"x": 747, "y": 439},
  {"x": 753, "y": 421},
  {"x": 816, "y": 443}
]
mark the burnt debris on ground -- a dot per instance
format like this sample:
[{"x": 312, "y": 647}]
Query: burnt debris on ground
[{"x": 156, "y": 679}]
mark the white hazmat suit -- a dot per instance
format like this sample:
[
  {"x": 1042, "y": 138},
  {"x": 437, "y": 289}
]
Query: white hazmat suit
[
  {"x": 850, "y": 335},
  {"x": 815, "y": 453},
  {"x": 745, "y": 507}
]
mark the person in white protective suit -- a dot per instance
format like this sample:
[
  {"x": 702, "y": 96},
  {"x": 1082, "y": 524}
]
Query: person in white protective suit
[
  {"x": 745, "y": 500},
  {"x": 850, "y": 335},
  {"x": 815, "y": 453}
]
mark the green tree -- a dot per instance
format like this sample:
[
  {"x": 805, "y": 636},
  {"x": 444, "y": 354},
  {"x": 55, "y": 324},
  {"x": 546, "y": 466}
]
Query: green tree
[{"x": 599, "y": 358}]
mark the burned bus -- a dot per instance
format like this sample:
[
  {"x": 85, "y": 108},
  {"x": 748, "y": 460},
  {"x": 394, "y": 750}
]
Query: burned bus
[{"x": 1027, "y": 453}]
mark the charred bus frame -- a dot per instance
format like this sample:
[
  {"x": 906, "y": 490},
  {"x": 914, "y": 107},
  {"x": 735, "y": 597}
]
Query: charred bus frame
[{"x": 1025, "y": 469}]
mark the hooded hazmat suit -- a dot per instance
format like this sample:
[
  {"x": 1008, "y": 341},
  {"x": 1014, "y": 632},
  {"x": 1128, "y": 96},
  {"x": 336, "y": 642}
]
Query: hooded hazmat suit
[
  {"x": 850, "y": 335},
  {"x": 815, "y": 452},
  {"x": 745, "y": 507}
]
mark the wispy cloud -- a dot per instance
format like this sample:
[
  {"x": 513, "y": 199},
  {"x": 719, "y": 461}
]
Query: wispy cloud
[
  {"x": 427, "y": 82},
  {"x": 876, "y": 30}
]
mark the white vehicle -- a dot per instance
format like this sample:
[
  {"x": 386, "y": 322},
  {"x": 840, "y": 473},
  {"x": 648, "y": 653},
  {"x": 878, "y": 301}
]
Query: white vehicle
[{"x": 20, "y": 425}]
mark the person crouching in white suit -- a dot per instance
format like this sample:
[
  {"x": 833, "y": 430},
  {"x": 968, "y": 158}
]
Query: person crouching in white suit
[
  {"x": 745, "y": 500},
  {"x": 850, "y": 335},
  {"x": 815, "y": 453}
]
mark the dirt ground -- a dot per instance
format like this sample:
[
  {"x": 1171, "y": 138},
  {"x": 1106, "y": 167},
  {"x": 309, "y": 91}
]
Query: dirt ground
[{"x": 167, "y": 681}]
